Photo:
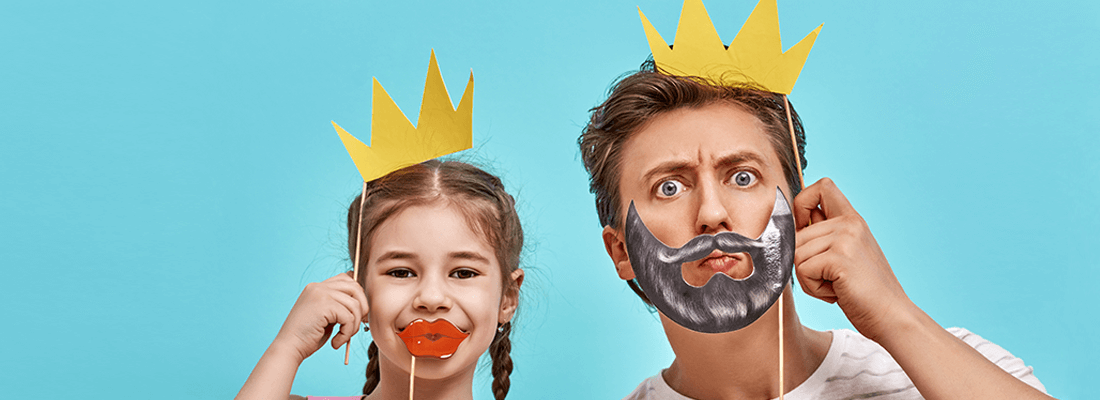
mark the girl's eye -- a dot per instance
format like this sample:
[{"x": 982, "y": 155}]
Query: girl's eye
[
  {"x": 464, "y": 274},
  {"x": 669, "y": 188},
  {"x": 400, "y": 273},
  {"x": 743, "y": 178}
]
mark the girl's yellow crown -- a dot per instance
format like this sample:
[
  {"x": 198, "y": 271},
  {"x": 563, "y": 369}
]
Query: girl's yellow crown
[
  {"x": 396, "y": 143},
  {"x": 755, "y": 55}
]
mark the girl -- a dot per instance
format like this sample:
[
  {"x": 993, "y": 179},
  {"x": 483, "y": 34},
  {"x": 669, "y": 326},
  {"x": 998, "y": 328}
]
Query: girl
[{"x": 441, "y": 244}]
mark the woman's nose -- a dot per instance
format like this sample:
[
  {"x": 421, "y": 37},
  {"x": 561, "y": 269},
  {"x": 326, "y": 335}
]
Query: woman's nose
[{"x": 432, "y": 295}]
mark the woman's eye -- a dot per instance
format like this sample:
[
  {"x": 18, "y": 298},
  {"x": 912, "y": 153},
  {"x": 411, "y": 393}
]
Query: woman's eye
[
  {"x": 743, "y": 178},
  {"x": 669, "y": 188},
  {"x": 464, "y": 274},
  {"x": 401, "y": 273}
]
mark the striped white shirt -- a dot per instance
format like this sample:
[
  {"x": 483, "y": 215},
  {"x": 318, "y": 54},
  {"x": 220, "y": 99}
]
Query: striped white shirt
[{"x": 858, "y": 368}]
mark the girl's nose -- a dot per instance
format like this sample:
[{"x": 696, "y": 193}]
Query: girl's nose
[{"x": 432, "y": 296}]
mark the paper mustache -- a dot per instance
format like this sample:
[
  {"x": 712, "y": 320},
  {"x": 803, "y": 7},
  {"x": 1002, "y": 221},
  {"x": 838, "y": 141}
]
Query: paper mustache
[
  {"x": 439, "y": 338},
  {"x": 724, "y": 304}
]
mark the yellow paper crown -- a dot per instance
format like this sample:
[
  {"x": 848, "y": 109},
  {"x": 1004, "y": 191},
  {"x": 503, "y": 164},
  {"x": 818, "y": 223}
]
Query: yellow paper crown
[
  {"x": 755, "y": 55},
  {"x": 396, "y": 143}
]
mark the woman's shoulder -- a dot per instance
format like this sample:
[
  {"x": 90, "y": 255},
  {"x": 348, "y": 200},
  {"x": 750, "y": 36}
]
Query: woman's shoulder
[{"x": 297, "y": 397}]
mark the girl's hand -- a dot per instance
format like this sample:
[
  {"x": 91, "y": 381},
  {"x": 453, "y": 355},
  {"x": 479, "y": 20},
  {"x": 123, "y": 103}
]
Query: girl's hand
[
  {"x": 322, "y": 305},
  {"x": 839, "y": 261}
]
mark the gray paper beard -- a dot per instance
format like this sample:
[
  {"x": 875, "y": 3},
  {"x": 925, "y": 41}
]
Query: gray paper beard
[{"x": 724, "y": 304}]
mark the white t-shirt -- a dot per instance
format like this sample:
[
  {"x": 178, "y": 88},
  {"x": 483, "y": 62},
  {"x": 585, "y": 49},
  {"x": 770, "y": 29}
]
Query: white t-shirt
[{"x": 858, "y": 368}]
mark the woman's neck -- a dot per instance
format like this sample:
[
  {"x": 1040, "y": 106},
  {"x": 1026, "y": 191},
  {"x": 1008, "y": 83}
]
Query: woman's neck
[
  {"x": 744, "y": 364},
  {"x": 393, "y": 384}
]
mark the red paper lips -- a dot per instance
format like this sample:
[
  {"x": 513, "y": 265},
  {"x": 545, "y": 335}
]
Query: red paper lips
[{"x": 438, "y": 338}]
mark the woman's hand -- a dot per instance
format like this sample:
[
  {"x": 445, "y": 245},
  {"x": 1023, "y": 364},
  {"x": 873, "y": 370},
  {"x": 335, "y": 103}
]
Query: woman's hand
[
  {"x": 322, "y": 305},
  {"x": 839, "y": 261}
]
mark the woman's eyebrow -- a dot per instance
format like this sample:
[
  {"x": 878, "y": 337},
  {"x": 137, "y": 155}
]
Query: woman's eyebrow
[{"x": 469, "y": 255}]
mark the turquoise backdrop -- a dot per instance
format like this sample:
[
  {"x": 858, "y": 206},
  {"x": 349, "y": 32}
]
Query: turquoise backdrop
[{"x": 170, "y": 178}]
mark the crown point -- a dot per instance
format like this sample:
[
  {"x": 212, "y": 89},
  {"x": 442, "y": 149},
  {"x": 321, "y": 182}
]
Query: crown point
[{"x": 754, "y": 56}]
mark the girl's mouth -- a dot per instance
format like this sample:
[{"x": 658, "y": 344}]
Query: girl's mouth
[{"x": 439, "y": 338}]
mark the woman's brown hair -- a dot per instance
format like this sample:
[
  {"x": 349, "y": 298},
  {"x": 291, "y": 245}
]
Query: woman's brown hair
[
  {"x": 489, "y": 210},
  {"x": 639, "y": 97}
]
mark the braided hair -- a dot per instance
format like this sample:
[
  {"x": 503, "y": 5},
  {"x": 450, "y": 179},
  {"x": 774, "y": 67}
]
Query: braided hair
[
  {"x": 502, "y": 361},
  {"x": 372, "y": 369},
  {"x": 488, "y": 208}
]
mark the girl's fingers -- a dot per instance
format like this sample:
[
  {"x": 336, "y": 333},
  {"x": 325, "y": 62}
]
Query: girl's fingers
[
  {"x": 353, "y": 290},
  {"x": 350, "y": 304},
  {"x": 348, "y": 326}
]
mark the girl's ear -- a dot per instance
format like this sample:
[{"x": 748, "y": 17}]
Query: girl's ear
[
  {"x": 510, "y": 300},
  {"x": 616, "y": 249}
]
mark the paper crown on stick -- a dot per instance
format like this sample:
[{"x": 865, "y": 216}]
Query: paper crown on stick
[
  {"x": 395, "y": 143},
  {"x": 755, "y": 55}
]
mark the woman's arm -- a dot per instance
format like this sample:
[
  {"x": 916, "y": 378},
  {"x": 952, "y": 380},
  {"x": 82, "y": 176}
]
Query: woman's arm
[{"x": 839, "y": 261}]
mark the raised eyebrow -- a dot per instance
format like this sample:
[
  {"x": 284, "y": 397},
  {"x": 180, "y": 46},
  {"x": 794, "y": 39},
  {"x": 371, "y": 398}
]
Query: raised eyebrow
[
  {"x": 469, "y": 255},
  {"x": 740, "y": 158},
  {"x": 664, "y": 168}
]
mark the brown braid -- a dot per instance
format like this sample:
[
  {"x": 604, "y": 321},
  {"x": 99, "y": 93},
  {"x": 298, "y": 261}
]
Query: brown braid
[
  {"x": 489, "y": 210},
  {"x": 372, "y": 369},
  {"x": 502, "y": 361}
]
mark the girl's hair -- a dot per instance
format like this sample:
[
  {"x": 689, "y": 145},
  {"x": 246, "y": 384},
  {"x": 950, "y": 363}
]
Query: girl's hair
[
  {"x": 489, "y": 210},
  {"x": 637, "y": 98}
]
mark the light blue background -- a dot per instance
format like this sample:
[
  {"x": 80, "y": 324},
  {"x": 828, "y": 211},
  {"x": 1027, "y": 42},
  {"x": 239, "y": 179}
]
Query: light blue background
[{"x": 170, "y": 179}]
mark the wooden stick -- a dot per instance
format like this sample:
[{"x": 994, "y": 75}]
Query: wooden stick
[
  {"x": 794, "y": 141},
  {"x": 412, "y": 377},
  {"x": 781, "y": 345},
  {"x": 355, "y": 263},
  {"x": 802, "y": 183}
]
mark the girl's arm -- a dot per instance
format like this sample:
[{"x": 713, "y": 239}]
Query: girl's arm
[
  {"x": 322, "y": 305},
  {"x": 839, "y": 261}
]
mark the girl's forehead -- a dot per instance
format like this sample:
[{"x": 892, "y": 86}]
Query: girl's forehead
[{"x": 430, "y": 232}]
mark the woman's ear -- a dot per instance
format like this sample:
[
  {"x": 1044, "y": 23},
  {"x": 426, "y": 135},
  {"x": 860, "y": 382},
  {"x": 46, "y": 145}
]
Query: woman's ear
[
  {"x": 510, "y": 300},
  {"x": 616, "y": 249}
]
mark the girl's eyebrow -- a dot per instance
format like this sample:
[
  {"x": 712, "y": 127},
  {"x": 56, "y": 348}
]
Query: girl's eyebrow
[
  {"x": 469, "y": 255},
  {"x": 396, "y": 255}
]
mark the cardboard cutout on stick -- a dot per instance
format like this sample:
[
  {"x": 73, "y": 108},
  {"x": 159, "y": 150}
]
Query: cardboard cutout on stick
[
  {"x": 439, "y": 338},
  {"x": 723, "y": 304},
  {"x": 395, "y": 143}
]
